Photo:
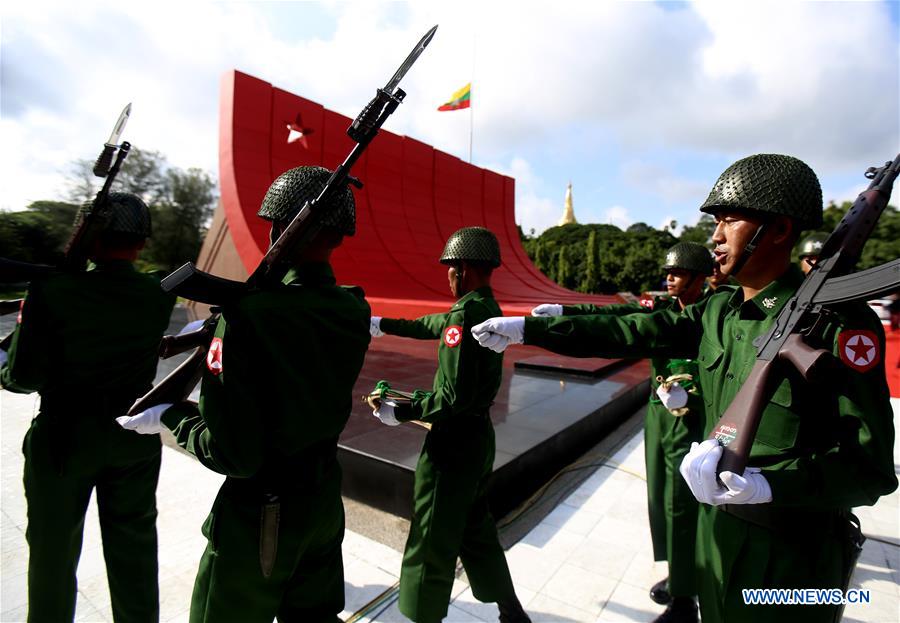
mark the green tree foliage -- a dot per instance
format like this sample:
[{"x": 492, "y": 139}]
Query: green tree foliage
[
  {"x": 591, "y": 274},
  {"x": 39, "y": 233},
  {"x": 882, "y": 246},
  {"x": 181, "y": 203},
  {"x": 701, "y": 232},
  {"x": 564, "y": 268},
  {"x": 616, "y": 265}
]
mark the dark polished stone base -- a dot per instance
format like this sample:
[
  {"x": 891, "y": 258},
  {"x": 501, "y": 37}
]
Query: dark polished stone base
[{"x": 543, "y": 418}]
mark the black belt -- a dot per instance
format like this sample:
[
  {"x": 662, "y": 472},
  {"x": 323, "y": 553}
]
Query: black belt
[
  {"x": 783, "y": 520},
  {"x": 281, "y": 475}
]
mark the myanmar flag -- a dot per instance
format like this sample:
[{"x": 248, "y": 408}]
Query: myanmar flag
[{"x": 459, "y": 100}]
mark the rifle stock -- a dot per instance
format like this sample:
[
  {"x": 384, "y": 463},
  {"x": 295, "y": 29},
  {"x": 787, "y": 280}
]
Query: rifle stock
[
  {"x": 171, "y": 345},
  {"x": 784, "y": 345},
  {"x": 176, "y": 387}
]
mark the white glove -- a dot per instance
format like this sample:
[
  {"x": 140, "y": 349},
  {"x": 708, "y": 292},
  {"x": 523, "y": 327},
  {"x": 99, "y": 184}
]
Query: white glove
[
  {"x": 3, "y": 357},
  {"x": 192, "y": 326},
  {"x": 751, "y": 488},
  {"x": 547, "y": 310},
  {"x": 698, "y": 468},
  {"x": 375, "y": 326},
  {"x": 675, "y": 397},
  {"x": 385, "y": 413},
  {"x": 498, "y": 333},
  {"x": 146, "y": 422}
]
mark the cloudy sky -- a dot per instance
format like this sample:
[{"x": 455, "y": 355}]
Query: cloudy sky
[{"x": 639, "y": 104}]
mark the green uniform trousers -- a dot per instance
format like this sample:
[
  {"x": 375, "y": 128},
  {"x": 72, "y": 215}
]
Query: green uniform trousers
[
  {"x": 672, "y": 507},
  {"x": 58, "y": 489},
  {"x": 451, "y": 518},
  {"x": 306, "y": 584},
  {"x": 735, "y": 554}
]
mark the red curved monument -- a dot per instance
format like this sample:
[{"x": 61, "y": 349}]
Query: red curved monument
[{"x": 413, "y": 198}]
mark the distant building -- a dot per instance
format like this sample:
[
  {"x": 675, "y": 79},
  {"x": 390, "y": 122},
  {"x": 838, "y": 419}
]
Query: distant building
[{"x": 568, "y": 212}]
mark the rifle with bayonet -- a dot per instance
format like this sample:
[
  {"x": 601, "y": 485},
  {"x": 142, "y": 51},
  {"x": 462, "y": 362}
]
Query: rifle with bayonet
[
  {"x": 191, "y": 283},
  {"x": 91, "y": 218},
  {"x": 830, "y": 281},
  {"x": 88, "y": 226}
]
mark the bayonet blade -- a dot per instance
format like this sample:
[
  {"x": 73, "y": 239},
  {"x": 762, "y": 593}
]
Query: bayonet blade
[
  {"x": 120, "y": 126},
  {"x": 404, "y": 67}
]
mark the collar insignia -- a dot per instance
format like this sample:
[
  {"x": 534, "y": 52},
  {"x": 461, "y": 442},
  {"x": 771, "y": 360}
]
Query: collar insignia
[{"x": 770, "y": 303}]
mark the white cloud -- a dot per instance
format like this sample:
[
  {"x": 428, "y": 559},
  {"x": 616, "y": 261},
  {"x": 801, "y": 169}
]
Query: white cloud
[
  {"x": 532, "y": 210},
  {"x": 618, "y": 216},
  {"x": 712, "y": 79}
]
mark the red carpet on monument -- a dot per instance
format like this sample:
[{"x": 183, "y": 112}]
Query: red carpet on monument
[{"x": 892, "y": 360}]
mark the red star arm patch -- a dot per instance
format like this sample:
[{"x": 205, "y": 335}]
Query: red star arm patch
[
  {"x": 453, "y": 336},
  {"x": 859, "y": 349},
  {"x": 648, "y": 303},
  {"x": 214, "y": 356}
]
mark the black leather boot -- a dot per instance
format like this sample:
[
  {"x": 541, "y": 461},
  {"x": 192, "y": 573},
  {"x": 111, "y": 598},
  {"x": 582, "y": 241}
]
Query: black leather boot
[
  {"x": 681, "y": 610},
  {"x": 659, "y": 592},
  {"x": 511, "y": 611}
]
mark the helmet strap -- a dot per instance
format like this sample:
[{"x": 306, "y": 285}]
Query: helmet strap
[{"x": 750, "y": 248}]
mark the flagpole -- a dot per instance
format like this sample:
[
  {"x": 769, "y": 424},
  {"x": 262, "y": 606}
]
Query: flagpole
[{"x": 471, "y": 110}]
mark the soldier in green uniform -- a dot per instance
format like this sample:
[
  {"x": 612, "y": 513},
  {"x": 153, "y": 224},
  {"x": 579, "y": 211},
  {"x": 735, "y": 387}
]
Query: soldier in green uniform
[
  {"x": 819, "y": 451},
  {"x": 450, "y": 515},
  {"x": 276, "y": 393},
  {"x": 87, "y": 343},
  {"x": 810, "y": 247},
  {"x": 673, "y": 421}
]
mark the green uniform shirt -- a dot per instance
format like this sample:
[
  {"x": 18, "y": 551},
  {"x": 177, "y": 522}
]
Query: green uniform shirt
[
  {"x": 658, "y": 365},
  {"x": 279, "y": 375},
  {"x": 819, "y": 448},
  {"x": 89, "y": 338},
  {"x": 468, "y": 376}
]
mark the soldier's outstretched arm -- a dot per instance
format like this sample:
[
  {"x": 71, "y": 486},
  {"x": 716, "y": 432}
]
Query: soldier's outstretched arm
[
  {"x": 422, "y": 328},
  {"x": 634, "y": 335}
]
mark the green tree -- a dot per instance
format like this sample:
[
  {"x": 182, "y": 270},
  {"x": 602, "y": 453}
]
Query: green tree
[
  {"x": 591, "y": 273},
  {"x": 179, "y": 221},
  {"x": 564, "y": 268},
  {"x": 181, "y": 203},
  {"x": 39, "y": 233},
  {"x": 701, "y": 233}
]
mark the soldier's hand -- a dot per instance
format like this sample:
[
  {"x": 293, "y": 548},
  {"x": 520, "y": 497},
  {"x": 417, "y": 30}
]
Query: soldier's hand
[
  {"x": 375, "y": 326},
  {"x": 547, "y": 310},
  {"x": 3, "y": 357},
  {"x": 698, "y": 468},
  {"x": 498, "y": 333},
  {"x": 751, "y": 488},
  {"x": 385, "y": 413},
  {"x": 146, "y": 422}
]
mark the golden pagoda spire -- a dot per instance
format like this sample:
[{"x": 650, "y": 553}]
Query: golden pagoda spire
[{"x": 568, "y": 211}]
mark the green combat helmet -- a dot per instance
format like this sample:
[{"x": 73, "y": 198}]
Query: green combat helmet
[
  {"x": 128, "y": 215},
  {"x": 293, "y": 188},
  {"x": 472, "y": 244},
  {"x": 769, "y": 183},
  {"x": 689, "y": 256},
  {"x": 812, "y": 244}
]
